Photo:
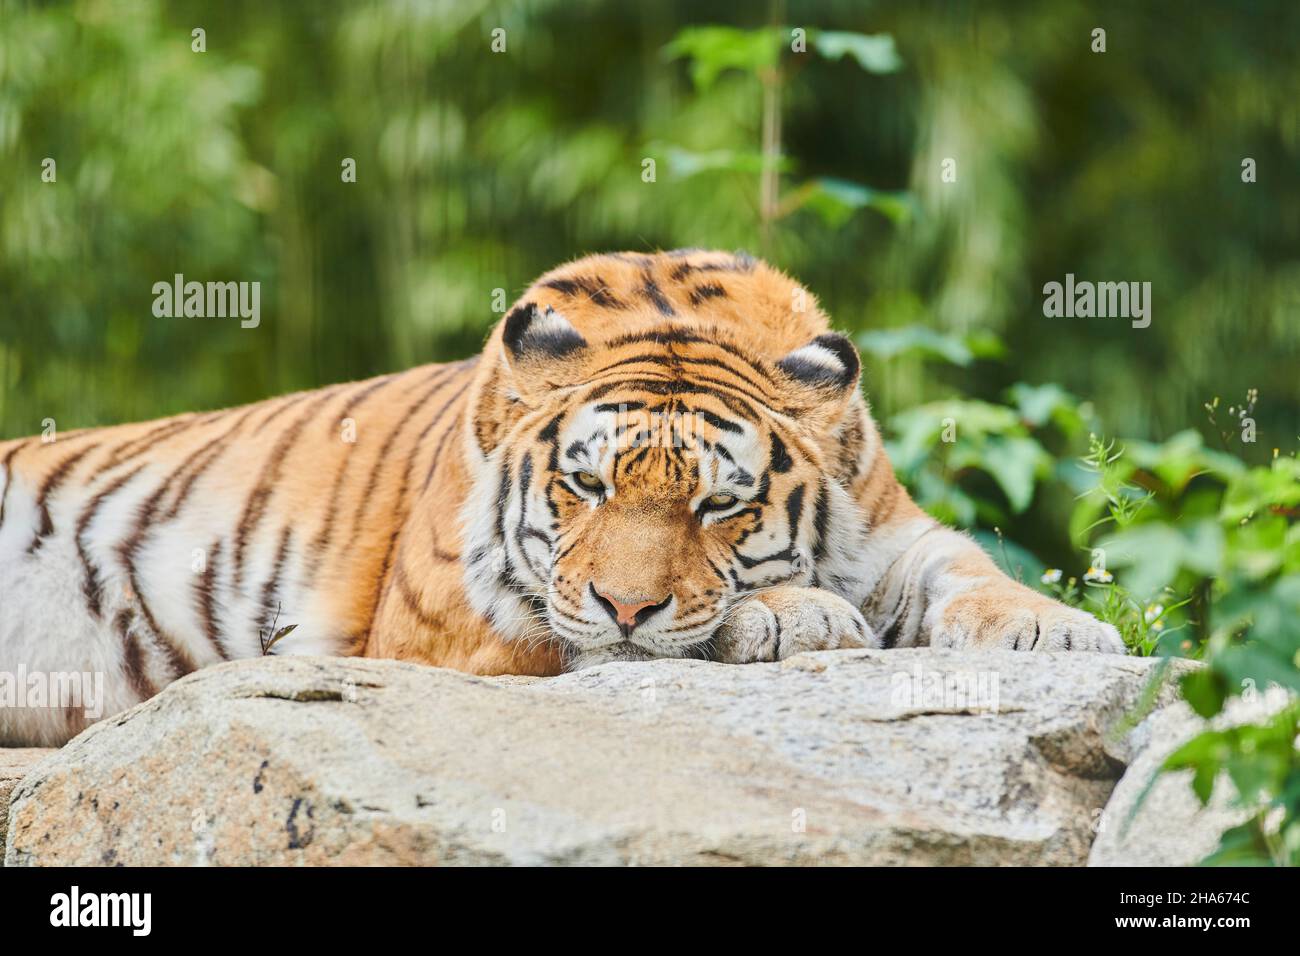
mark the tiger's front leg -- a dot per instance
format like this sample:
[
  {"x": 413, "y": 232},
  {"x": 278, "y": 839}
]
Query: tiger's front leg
[
  {"x": 945, "y": 591},
  {"x": 784, "y": 621}
]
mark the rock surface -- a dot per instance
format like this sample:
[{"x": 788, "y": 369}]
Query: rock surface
[
  {"x": 14, "y": 764},
  {"x": 870, "y": 757},
  {"x": 1170, "y": 827}
]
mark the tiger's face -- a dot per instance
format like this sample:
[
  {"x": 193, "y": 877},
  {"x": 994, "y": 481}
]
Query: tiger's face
[
  {"x": 650, "y": 484},
  {"x": 662, "y": 513}
]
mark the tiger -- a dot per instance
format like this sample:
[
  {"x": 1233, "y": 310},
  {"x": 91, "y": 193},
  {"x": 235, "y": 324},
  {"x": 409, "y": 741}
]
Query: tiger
[{"x": 655, "y": 455}]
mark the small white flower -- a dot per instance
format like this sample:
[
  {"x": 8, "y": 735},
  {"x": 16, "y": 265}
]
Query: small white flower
[
  {"x": 1051, "y": 576},
  {"x": 1098, "y": 576},
  {"x": 1152, "y": 612}
]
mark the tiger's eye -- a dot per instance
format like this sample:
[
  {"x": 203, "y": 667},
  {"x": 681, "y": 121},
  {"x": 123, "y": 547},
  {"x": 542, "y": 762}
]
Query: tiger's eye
[
  {"x": 720, "y": 501},
  {"x": 589, "y": 480}
]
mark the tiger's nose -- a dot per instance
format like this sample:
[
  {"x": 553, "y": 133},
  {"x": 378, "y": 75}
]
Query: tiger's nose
[{"x": 627, "y": 614}]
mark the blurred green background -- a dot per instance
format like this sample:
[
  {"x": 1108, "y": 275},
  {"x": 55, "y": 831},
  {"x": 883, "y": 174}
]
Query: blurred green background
[{"x": 822, "y": 149}]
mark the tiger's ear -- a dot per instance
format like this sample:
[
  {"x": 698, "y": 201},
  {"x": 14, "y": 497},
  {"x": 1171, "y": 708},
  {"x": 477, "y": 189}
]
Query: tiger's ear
[
  {"x": 541, "y": 348},
  {"x": 828, "y": 366},
  {"x": 827, "y": 403},
  {"x": 531, "y": 333}
]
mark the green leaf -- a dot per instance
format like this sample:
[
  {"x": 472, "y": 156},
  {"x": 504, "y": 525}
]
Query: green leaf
[
  {"x": 915, "y": 340},
  {"x": 836, "y": 200},
  {"x": 1261, "y": 490},
  {"x": 1203, "y": 782},
  {"x": 1272, "y": 611},
  {"x": 1039, "y": 404},
  {"x": 712, "y": 50},
  {"x": 684, "y": 163},
  {"x": 944, "y": 500},
  {"x": 986, "y": 345},
  {"x": 1014, "y": 463},
  {"x": 1259, "y": 662},
  {"x": 875, "y": 53},
  {"x": 1242, "y": 845},
  {"x": 1205, "y": 691},
  {"x": 1152, "y": 553},
  {"x": 1180, "y": 458}
]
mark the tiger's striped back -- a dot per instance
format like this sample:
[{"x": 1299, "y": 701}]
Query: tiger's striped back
[{"x": 142, "y": 552}]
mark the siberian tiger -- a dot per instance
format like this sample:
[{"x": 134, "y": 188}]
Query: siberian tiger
[{"x": 654, "y": 456}]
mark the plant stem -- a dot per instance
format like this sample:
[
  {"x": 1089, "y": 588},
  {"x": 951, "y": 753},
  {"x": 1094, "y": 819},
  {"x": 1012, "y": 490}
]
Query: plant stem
[{"x": 769, "y": 185}]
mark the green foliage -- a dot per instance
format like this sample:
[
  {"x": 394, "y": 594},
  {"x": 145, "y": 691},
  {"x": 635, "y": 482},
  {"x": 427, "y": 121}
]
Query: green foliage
[
  {"x": 939, "y": 445},
  {"x": 1261, "y": 762},
  {"x": 712, "y": 50},
  {"x": 1205, "y": 551},
  {"x": 918, "y": 340},
  {"x": 874, "y": 53},
  {"x": 477, "y": 171}
]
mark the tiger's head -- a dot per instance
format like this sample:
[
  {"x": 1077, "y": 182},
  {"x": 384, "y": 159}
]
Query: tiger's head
[{"x": 647, "y": 456}]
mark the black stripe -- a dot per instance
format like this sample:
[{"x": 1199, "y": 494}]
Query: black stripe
[
  {"x": 213, "y": 450},
  {"x": 593, "y": 287},
  {"x": 821, "y": 522},
  {"x": 325, "y": 535},
  {"x": 437, "y": 452},
  {"x": 255, "y": 504},
  {"x": 181, "y": 662},
  {"x": 90, "y": 580},
  {"x": 283, "y": 406},
  {"x": 205, "y": 596},
  {"x": 650, "y": 290},
  {"x": 439, "y": 379},
  {"x": 432, "y": 423},
  {"x": 438, "y": 552},
  {"x": 681, "y": 271},
  {"x": 271, "y": 589},
  {"x": 721, "y": 424},
  {"x": 503, "y": 499},
  {"x": 709, "y": 291},
  {"x": 780, "y": 460},
  {"x": 676, "y": 362},
  {"x": 121, "y": 455},
  {"x": 676, "y": 388},
  {"x": 794, "y": 511},
  {"x": 48, "y": 487},
  {"x": 552, "y": 429},
  {"x": 428, "y": 619},
  {"x": 674, "y": 335},
  {"x": 382, "y": 457},
  {"x": 132, "y": 658}
]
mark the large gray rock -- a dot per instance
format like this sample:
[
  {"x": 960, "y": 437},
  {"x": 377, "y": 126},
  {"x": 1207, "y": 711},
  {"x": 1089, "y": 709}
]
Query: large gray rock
[
  {"x": 14, "y": 764},
  {"x": 872, "y": 757}
]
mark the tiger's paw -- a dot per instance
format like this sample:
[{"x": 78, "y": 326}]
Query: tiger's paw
[
  {"x": 1015, "y": 618},
  {"x": 785, "y": 621}
]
